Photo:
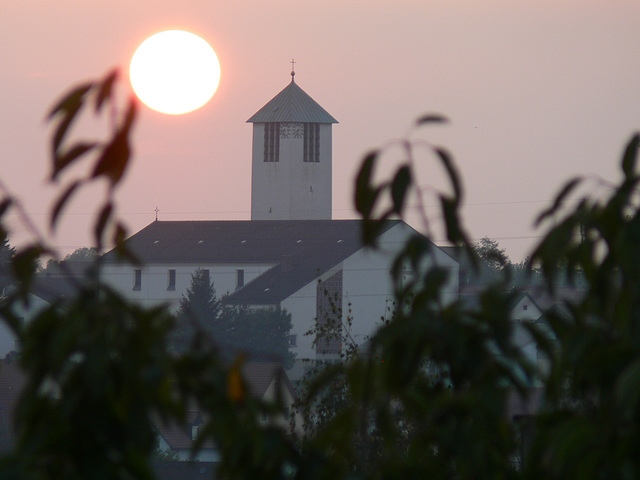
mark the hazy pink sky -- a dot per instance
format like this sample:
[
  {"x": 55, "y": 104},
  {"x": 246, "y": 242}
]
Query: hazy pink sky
[{"x": 536, "y": 91}]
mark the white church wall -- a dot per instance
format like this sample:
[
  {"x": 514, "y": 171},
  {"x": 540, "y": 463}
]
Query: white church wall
[
  {"x": 302, "y": 307},
  {"x": 367, "y": 293},
  {"x": 270, "y": 181},
  {"x": 155, "y": 289},
  {"x": 291, "y": 189},
  {"x": 311, "y": 186},
  {"x": 367, "y": 283}
]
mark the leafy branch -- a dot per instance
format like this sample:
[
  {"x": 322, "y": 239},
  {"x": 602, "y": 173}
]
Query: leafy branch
[{"x": 109, "y": 158}]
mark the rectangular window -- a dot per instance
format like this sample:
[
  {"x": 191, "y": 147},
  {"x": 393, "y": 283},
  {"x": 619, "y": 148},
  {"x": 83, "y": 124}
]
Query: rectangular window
[
  {"x": 137, "y": 279},
  {"x": 271, "y": 142},
  {"x": 311, "y": 143},
  {"x": 239, "y": 278},
  {"x": 172, "y": 280},
  {"x": 293, "y": 340}
]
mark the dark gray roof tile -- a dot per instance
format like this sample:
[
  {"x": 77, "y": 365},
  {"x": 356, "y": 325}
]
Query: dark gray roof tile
[
  {"x": 299, "y": 250},
  {"x": 292, "y": 104}
]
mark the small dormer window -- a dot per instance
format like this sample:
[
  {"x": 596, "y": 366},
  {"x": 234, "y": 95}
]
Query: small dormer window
[{"x": 272, "y": 142}]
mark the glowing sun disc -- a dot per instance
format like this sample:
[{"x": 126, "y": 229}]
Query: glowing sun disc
[{"x": 174, "y": 72}]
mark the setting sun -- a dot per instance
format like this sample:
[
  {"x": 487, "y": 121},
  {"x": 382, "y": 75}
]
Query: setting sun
[{"x": 174, "y": 72}]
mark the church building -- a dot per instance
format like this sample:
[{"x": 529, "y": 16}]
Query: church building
[
  {"x": 291, "y": 165},
  {"x": 291, "y": 254}
]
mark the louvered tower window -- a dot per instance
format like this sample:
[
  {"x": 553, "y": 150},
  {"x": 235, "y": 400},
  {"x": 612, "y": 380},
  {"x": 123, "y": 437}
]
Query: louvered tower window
[
  {"x": 311, "y": 142},
  {"x": 271, "y": 142}
]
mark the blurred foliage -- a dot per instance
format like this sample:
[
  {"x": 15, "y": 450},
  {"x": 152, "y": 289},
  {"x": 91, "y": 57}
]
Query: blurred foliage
[{"x": 428, "y": 398}]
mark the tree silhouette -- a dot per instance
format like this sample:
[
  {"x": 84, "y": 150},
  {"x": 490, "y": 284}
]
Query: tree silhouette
[{"x": 198, "y": 308}]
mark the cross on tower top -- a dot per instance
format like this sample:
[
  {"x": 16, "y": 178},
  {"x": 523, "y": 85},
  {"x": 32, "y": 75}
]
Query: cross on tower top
[{"x": 293, "y": 67}]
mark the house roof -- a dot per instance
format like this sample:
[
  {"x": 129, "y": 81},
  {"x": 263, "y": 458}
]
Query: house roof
[
  {"x": 298, "y": 251},
  {"x": 259, "y": 376},
  {"x": 292, "y": 104},
  {"x": 178, "y": 437},
  {"x": 522, "y": 296}
]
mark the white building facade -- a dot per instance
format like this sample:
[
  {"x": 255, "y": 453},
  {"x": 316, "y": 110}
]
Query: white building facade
[{"x": 298, "y": 265}]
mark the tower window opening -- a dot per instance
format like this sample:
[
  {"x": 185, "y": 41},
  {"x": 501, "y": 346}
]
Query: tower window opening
[
  {"x": 271, "y": 142},
  {"x": 311, "y": 143}
]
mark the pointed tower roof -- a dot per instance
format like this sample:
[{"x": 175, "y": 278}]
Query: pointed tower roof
[{"x": 292, "y": 104}]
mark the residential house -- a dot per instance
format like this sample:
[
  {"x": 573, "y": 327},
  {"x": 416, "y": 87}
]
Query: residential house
[{"x": 264, "y": 381}]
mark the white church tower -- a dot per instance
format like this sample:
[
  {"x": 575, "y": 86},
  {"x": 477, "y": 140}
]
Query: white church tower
[{"x": 291, "y": 166}]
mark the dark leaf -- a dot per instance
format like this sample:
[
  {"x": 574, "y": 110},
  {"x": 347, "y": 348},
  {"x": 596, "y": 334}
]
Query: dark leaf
[
  {"x": 63, "y": 160},
  {"x": 61, "y": 202},
  {"x": 4, "y": 205},
  {"x": 105, "y": 89},
  {"x": 557, "y": 203},
  {"x": 119, "y": 237},
  {"x": 455, "y": 233},
  {"x": 630, "y": 156},
  {"x": 71, "y": 100},
  {"x": 68, "y": 107},
  {"x": 24, "y": 267},
  {"x": 120, "y": 234},
  {"x": 400, "y": 187},
  {"x": 113, "y": 160},
  {"x": 370, "y": 230},
  {"x": 101, "y": 224},
  {"x": 130, "y": 116},
  {"x": 452, "y": 172},
  {"x": 432, "y": 118},
  {"x": 115, "y": 156},
  {"x": 365, "y": 194}
]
